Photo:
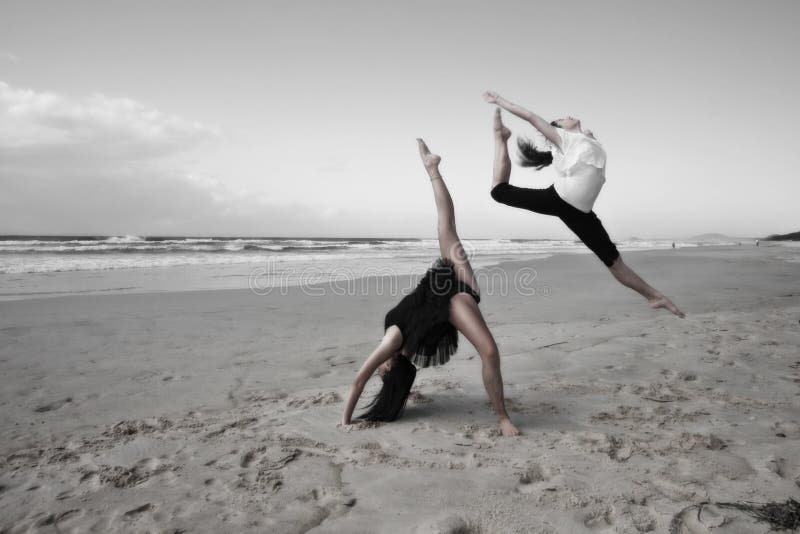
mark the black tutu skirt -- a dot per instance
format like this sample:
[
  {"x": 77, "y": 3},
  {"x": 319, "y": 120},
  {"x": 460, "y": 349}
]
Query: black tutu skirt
[{"x": 423, "y": 316}]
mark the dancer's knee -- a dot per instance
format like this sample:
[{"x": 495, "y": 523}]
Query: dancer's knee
[
  {"x": 616, "y": 264},
  {"x": 613, "y": 260},
  {"x": 499, "y": 191},
  {"x": 490, "y": 354}
]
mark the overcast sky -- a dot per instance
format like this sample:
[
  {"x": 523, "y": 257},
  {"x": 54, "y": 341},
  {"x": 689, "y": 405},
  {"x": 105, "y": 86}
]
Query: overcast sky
[{"x": 298, "y": 118}]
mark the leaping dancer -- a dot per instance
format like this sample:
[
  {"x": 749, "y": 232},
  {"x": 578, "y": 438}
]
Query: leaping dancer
[{"x": 580, "y": 161}]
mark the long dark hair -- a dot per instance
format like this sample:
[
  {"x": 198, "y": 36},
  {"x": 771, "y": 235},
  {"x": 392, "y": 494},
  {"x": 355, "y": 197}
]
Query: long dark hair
[
  {"x": 390, "y": 401},
  {"x": 530, "y": 156}
]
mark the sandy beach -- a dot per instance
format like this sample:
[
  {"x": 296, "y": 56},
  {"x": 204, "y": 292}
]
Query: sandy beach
[{"x": 217, "y": 411}]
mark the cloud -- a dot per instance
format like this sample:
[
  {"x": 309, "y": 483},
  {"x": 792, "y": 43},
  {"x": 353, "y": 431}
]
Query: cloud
[
  {"x": 103, "y": 165},
  {"x": 96, "y": 124},
  {"x": 9, "y": 56},
  {"x": 99, "y": 164}
]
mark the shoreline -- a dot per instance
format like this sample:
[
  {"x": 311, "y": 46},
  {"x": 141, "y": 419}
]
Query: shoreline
[{"x": 165, "y": 279}]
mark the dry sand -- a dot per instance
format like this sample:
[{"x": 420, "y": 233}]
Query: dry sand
[{"x": 216, "y": 411}]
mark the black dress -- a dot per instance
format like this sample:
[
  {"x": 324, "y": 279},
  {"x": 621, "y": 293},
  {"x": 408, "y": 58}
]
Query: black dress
[{"x": 423, "y": 316}]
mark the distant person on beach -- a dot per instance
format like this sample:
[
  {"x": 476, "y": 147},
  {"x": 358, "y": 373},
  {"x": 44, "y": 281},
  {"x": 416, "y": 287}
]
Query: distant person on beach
[
  {"x": 580, "y": 161},
  {"x": 422, "y": 329}
]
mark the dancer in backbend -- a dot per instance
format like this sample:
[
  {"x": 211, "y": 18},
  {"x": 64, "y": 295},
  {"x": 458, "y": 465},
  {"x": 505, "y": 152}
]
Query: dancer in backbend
[
  {"x": 580, "y": 162},
  {"x": 423, "y": 327}
]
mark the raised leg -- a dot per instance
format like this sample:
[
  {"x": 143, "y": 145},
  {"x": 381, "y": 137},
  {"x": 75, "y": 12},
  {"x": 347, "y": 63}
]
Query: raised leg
[
  {"x": 449, "y": 243},
  {"x": 536, "y": 200},
  {"x": 467, "y": 318}
]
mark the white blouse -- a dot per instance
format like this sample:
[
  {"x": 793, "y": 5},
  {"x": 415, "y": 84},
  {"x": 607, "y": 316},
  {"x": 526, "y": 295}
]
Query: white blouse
[{"x": 581, "y": 166}]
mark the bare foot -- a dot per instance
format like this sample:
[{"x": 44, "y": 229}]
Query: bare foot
[
  {"x": 500, "y": 130},
  {"x": 664, "y": 302},
  {"x": 507, "y": 428},
  {"x": 431, "y": 161}
]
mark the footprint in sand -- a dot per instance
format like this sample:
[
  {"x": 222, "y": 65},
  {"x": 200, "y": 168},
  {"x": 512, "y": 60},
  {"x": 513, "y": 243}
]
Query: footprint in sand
[
  {"x": 126, "y": 429},
  {"x": 617, "y": 448},
  {"x": 421, "y": 427},
  {"x": 319, "y": 399},
  {"x": 244, "y": 422},
  {"x": 777, "y": 465},
  {"x": 680, "y": 492},
  {"x": 642, "y": 518},
  {"x": 339, "y": 359},
  {"x": 660, "y": 392},
  {"x": 685, "y": 376},
  {"x": 687, "y": 442},
  {"x": 144, "y": 376},
  {"x": 312, "y": 509},
  {"x": 135, "y": 512},
  {"x": 65, "y": 495},
  {"x": 50, "y": 406},
  {"x": 451, "y": 524},
  {"x": 599, "y": 518},
  {"x": 128, "y": 477},
  {"x": 218, "y": 491},
  {"x": 90, "y": 480},
  {"x": 59, "y": 520},
  {"x": 788, "y": 429},
  {"x": 329, "y": 497},
  {"x": 480, "y": 436},
  {"x": 249, "y": 456},
  {"x": 269, "y": 464},
  {"x": 24, "y": 458},
  {"x": 694, "y": 520},
  {"x": 530, "y": 479},
  {"x": 303, "y": 507}
]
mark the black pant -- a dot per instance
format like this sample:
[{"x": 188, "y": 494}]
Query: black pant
[{"x": 586, "y": 226}]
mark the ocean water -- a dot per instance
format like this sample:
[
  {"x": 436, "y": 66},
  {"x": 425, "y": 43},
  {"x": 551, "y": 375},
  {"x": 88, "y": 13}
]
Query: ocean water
[{"x": 32, "y": 266}]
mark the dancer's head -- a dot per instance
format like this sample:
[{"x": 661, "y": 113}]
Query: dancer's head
[
  {"x": 398, "y": 375},
  {"x": 567, "y": 123}
]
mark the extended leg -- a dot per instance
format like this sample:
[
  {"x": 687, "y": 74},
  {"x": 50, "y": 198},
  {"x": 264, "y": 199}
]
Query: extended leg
[
  {"x": 590, "y": 230},
  {"x": 449, "y": 243},
  {"x": 467, "y": 318},
  {"x": 627, "y": 277}
]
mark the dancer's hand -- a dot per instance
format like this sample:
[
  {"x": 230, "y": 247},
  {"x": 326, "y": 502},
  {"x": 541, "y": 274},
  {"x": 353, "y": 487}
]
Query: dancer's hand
[
  {"x": 491, "y": 97},
  {"x": 507, "y": 428}
]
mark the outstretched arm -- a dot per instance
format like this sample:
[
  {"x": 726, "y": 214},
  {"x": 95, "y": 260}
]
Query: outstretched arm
[
  {"x": 539, "y": 123},
  {"x": 390, "y": 344}
]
